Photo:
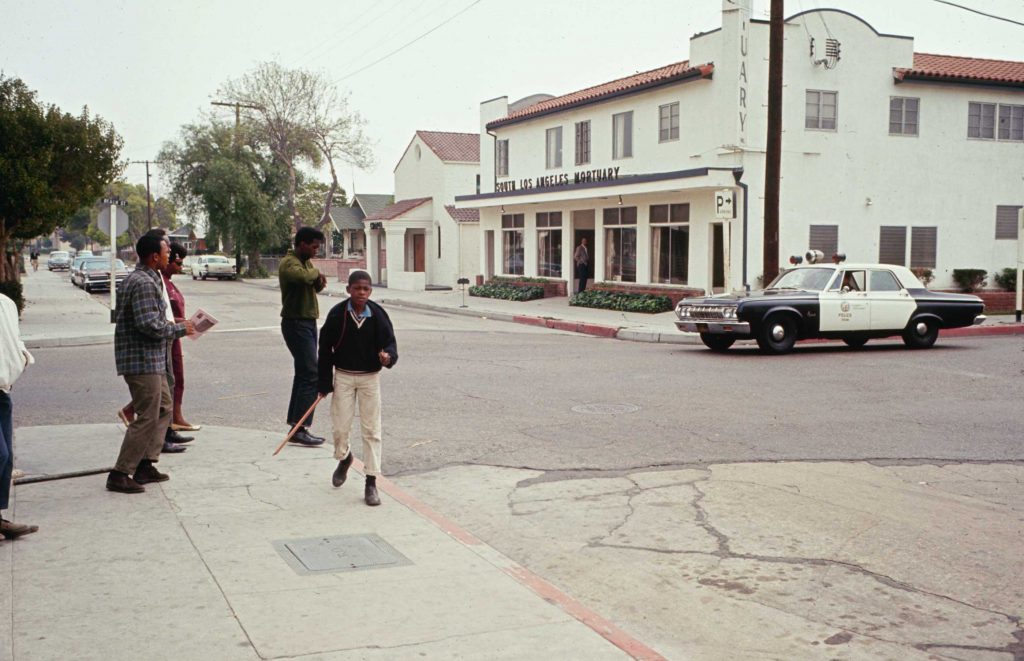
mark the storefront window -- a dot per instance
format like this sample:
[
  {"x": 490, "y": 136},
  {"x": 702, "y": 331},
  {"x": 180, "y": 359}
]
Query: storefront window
[
  {"x": 620, "y": 244},
  {"x": 549, "y": 244},
  {"x": 670, "y": 243},
  {"x": 512, "y": 243}
]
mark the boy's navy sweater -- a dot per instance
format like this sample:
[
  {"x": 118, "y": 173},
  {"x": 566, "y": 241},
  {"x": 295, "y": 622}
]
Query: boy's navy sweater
[{"x": 346, "y": 346}]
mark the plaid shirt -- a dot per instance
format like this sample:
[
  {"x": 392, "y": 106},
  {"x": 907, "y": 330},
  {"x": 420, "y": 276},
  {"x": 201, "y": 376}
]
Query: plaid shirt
[{"x": 142, "y": 334}]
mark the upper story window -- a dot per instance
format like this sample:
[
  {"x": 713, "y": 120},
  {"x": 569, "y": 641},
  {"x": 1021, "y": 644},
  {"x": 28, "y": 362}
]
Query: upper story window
[
  {"x": 821, "y": 110},
  {"x": 668, "y": 122},
  {"x": 622, "y": 135},
  {"x": 501, "y": 158},
  {"x": 583, "y": 142},
  {"x": 992, "y": 121},
  {"x": 903, "y": 115},
  {"x": 553, "y": 151}
]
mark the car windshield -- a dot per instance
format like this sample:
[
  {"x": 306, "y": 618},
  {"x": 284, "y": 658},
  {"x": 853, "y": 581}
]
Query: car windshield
[
  {"x": 97, "y": 266},
  {"x": 810, "y": 279},
  {"x": 58, "y": 254},
  {"x": 217, "y": 260}
]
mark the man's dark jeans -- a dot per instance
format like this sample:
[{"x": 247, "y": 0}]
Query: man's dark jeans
[
  {"x": 6, "y": 449},
  {"x": 300, "y": 336}
]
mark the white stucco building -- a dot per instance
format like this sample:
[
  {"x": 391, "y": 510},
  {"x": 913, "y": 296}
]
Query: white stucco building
[
  {"x": 888, "y": 155},
  {"x": 422, "y": 240}
]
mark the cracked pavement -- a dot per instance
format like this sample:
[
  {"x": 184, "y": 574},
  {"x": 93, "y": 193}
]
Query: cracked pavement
[{"x": 770, "y": 560}]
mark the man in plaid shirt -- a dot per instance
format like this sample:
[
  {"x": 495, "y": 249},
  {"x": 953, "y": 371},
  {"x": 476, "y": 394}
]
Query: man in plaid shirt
[{"x": 143, "y": 334}]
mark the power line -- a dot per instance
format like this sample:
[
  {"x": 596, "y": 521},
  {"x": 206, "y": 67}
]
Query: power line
[
  {"x": 410, "y": 43},
  {"x": 970, "y": 9}
]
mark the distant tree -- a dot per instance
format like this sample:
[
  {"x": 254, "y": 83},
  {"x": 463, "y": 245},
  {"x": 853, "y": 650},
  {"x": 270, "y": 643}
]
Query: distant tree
[
  {"x": 51, "y": 164},
  {"x": 239, "y": 189},
  {"x": 303, "y": 119}
]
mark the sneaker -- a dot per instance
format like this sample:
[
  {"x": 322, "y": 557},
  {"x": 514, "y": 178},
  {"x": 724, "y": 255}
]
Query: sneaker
[
  {"x": 120, "y": 482},
  {"x": 12, "y": 530},
  {"x": 147, "y": 472},
  {"x": 341, "y": 472}
]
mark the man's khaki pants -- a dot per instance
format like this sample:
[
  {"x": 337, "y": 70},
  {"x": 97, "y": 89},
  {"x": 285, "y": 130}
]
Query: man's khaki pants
[
  {"x": 349, "y": 390},
  {"x": 151, "y": 398}
]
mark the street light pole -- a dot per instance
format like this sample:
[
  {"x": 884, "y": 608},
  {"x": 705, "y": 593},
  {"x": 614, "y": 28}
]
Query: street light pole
[{"x": 773, "y": 156}]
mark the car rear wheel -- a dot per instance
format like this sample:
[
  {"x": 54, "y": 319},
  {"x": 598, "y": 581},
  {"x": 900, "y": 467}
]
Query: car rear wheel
[
  {"x": 717, "y": 342},
  {"x": 202, "y": 276},
  {"x": 921, "y": 333},
  {"x": 777, "y": 335},
  {"x": 855, "y": 342}
]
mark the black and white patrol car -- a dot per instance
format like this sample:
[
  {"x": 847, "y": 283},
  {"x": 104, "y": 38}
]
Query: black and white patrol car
[{"x": 850, "y": 302}]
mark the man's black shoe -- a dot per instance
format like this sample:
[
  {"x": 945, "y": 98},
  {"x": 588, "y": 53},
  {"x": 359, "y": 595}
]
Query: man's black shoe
[
  {"x": 120, "y": 482},
  {"x": 341, "y": 472},
  {"x": 171, "y": 448},
  {"x": 176, "y": 437},
  {"x": 370, "y": 495},
  {"x": 147, "y": 472},
  {"x": 303, "y": 437}
]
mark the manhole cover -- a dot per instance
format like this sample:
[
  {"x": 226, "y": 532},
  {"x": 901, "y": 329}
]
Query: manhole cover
[
  {"x": 606, "y": 409},
  {"x": 340, "y": 553}
]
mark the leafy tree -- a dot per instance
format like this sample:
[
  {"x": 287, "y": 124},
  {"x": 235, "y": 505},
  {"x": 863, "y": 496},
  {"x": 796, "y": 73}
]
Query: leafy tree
[
  {"x": 239, "y": 189},
  {"x": 51, "y": 164},
  {"x": 303, "y": 119}
]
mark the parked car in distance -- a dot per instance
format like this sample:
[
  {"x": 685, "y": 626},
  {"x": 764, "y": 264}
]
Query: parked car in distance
[
  {"x": 850, "y": 302},
  {"x": 58, "y": 260},
  {"x": 213, "y": 266},
  {"x": 75, "y": 271},
  {"x": 95, "y": 274}
]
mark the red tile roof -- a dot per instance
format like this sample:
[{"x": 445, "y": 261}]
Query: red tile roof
[
  {"x": 463, "y": 215},
  {"x": 963, "y": 69},
  {"x": 398, "y": 208},
  {"x": 635, "y": 83},
  {"x": 453, "y": 147}
]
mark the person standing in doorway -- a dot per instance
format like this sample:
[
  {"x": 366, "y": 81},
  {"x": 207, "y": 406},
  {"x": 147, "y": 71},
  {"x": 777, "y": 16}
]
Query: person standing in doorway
[
  {"x": 300, "y": 281},
  {"x": 356, "y": 341},
  {"x": 582, "y": 259}
]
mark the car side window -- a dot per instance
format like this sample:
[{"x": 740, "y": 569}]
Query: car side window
[
  {"x": 852, "y": 280},
  {"x": 884, "y": 281}
]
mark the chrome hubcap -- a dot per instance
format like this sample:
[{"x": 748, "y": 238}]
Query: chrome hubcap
[
  {"x": 778, "y": 332},
  {"x": 922, "y": 328}
]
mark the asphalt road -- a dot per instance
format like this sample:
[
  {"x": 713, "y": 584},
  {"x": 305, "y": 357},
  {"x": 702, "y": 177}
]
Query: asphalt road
[{"x": 473, "y": 391}]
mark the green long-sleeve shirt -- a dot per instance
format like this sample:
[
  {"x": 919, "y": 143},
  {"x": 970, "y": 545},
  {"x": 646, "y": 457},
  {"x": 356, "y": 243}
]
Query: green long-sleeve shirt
[{"x": 300, "y": 281}]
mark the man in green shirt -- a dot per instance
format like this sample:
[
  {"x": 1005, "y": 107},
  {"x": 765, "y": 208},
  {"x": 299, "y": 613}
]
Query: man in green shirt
[{"x": 300, "y": 282}]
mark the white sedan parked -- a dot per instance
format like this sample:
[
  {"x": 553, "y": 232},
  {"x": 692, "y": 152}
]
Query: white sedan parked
[{"x": 212, "y": 266}]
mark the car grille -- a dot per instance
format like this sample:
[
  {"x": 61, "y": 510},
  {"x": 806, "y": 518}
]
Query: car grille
[{"x": 707, "y": 312}]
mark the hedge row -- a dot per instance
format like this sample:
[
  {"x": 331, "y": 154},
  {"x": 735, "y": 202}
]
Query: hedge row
[
  {"x": 506, "y": 292},
  {"x": 610, "y": 300}
]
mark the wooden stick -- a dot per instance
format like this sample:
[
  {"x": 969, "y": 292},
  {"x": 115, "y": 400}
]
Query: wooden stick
[{"x": 298, "y": 424}]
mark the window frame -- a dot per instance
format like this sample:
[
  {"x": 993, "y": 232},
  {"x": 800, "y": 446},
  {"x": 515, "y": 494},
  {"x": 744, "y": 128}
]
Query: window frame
[
  {"x": 549, "y": 222},
  {"x": 513, "y": 223},
  {"x": 676, "y": 216},
  {"x": 981, "y": 105},
  {"x": 818, "y": 107},
  {"x": 671, "y": 132},
  {"x": 903, "y": 116},
  {"x": 918, "y": 260},
  {"x": 582, "y": 155},
  {"x": 553, "y": 152},
  {"x": 619, "y": 228},
  {"x": 627, "y": 135},
  {"x": 501, "y": 157}
]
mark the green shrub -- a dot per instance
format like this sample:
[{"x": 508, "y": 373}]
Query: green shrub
[
  {"x": 969, "y": 280},
  {"x": 256, "y": 272},
  {"x": 925, "y": 275},
  {"x": 12, "y": 289},
  {"x": 1007, "y": 279},
  {"x": 506, "y": 292},
  {"x": 612, "y": 300}
]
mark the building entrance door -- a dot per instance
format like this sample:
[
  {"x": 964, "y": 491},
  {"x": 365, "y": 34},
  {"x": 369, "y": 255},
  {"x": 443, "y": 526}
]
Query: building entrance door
[
  {"x": 718, "y": 280},
  {"x": 382, "y": 258},
  {"x": 582, "y": 228},
  {"x": 419, "y": 253}
]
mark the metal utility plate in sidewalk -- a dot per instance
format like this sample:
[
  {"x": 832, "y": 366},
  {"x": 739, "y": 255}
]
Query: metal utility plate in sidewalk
[{"x": 320, "y": 555}]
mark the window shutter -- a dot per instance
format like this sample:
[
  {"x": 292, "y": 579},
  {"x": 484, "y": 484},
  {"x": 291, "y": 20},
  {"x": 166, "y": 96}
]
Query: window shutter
[
  {"x": 892, "y": 245},
  {"x": 824, "y": 238},
  {"x": 1006, "y": 221},
  {"x": 923, "y": 242}
]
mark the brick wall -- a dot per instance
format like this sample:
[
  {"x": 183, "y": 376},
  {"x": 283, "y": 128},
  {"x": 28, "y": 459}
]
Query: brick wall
[
  {"x": 339, "y": 268},
  {"x": 552, "y": 288},
  {"x": 676, "y": 294}
]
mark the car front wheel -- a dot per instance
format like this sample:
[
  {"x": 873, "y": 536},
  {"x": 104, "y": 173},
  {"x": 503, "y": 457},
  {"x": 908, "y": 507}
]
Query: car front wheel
[
  {"x": 921, "y": 333},
  {"x": 717, "y": 342},
  {"x": 777, "y": 334}
]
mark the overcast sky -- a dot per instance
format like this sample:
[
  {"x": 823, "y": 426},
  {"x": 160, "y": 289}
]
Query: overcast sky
[{"x": 150, "y": 67}]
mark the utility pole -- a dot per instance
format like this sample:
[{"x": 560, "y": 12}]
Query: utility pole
[
  {"x": 149, "y": 208},
  {"x": 238, "y": 120},
  {"x": 773, "y": 157}
]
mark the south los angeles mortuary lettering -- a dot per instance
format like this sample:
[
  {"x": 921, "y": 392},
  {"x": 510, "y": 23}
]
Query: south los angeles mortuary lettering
[{"x": 552, "y": 180}]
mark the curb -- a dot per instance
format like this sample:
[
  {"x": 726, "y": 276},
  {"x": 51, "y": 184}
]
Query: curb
[{"x": 75, "y": 341}]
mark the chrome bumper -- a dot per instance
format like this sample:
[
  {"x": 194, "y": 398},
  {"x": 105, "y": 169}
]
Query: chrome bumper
[
  {"x": 721, "y": 327},
  {"x": 980, "y": 319}
]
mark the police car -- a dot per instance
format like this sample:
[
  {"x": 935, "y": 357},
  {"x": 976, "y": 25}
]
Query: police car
[{"x": 850, "y": 302}]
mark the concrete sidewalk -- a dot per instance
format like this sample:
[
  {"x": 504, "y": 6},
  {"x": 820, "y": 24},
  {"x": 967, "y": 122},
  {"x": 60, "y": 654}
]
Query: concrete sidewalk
[{"x": 242, "y": 555}]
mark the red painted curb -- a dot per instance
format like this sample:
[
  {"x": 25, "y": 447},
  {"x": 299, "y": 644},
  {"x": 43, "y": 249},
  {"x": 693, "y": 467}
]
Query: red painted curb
[
  {"x": 571, "y": 326},
  {"x": 529, "y": 321},
  {"x": 523, "y": 576},
  {"x": 984, "y": 331}
]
